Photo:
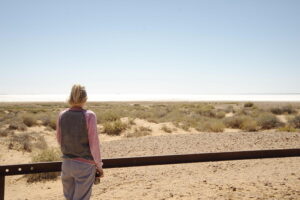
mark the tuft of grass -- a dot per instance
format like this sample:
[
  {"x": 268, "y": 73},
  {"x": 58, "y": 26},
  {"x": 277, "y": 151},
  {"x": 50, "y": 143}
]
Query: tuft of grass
[
  {"x": 114, "y": 127},
  {"x": 46, "y": 155},
  {"x": 140, "y": 131},
  {"x": 166, "y": 129},
  {"x": 268, "y": 121}
]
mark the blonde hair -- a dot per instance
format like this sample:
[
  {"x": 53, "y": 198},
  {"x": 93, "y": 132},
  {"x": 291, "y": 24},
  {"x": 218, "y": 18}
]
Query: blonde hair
[{"x": 78, "y": 95}]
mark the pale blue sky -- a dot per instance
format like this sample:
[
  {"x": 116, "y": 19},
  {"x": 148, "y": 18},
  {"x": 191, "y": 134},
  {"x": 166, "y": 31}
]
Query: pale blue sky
[{"x": 150, "y": 46}]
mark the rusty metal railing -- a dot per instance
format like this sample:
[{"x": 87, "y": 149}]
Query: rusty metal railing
[{"x": 8, "y": 170}]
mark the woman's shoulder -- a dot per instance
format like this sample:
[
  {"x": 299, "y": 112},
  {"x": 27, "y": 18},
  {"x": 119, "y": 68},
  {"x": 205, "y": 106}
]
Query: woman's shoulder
[{"x": 90, "y": 113}]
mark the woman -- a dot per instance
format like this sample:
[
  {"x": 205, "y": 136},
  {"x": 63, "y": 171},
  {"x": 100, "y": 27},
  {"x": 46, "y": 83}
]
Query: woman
[{"x": 79, "y": 142}]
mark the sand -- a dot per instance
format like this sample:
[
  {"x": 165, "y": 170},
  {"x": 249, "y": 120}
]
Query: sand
[{"x": 246, "y": 179}]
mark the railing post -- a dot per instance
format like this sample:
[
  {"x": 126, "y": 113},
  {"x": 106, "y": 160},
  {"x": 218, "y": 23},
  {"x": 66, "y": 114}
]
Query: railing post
[{"x": 2, "y": 187}]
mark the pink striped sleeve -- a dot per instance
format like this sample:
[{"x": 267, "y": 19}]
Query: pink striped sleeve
[{"x": 94, "y": 139}]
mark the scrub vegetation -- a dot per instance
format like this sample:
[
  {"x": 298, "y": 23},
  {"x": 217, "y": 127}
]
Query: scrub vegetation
[{"x": 201, "y": 116}]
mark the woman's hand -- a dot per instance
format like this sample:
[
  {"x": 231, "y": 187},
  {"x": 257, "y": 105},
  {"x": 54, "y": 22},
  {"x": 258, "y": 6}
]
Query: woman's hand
[{"x": 100, "y": 172}]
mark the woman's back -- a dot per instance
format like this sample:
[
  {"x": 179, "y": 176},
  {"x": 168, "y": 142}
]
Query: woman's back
[{"x": 74, "y": 134}]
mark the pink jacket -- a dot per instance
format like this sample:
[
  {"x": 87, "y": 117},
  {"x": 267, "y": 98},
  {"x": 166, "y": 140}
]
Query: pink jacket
[{"x": 91, "y": 120}]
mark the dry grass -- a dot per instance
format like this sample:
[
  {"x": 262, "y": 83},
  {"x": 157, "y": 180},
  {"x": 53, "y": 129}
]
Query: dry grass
[
  {"x": 166, "y": 129},
  {"x": 140, "y": 131},
  {"x": 268, "y": 121},
  {"x": 211, "y": 126},
  {"x": 26, "y": 141},
  {"x": 295, "y": 122},
  {"x": 114, "y": 127},
  {"x": 21, "y": 142},
  {"x": 29, "y": 119},
  {"x": 46, "y": 155}
]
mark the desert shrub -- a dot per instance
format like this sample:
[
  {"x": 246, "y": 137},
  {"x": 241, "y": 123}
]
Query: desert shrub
[
  {"x": 268, "y": 121},
  {"x": 181, "y": 125},
  {"x": 234, "y": 121},
  {"x": 108, "y": 116},
  {"x": 249, "y": 124},
  {"x": 29, "y": 119},
  {"x": 248, "y": 104},
  {"x": 288, "y": 109},
  {"x": 48, "y": 119},
  {"x": 287, "y": 128},
  {"x": 229, "y": 109},
  {"x": 4, "y": 132},
  {"x": 114, "y": 127},
  {"x": 21, "y": 142},
  {"x": 46, "y": 155},
  {"x": 17, "y": 125},
  {"x": 206, "y": 110},
  {"x": 41, "y": 143},
  {"x": 276, "y": 111},
  {"x": 295, "y": 122},
  {"x": 131, "y": 121},
  {"x": 140, "y": 131},
  {"x": 166, "y": 129},
  {"x": 220, "y": 114},
  {"x": 211, "y": 126}
]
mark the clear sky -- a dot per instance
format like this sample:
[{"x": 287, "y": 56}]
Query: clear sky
[{"x": 150, "y": 46}]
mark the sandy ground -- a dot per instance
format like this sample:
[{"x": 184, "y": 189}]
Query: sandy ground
[{"x": 247, "y": 179}]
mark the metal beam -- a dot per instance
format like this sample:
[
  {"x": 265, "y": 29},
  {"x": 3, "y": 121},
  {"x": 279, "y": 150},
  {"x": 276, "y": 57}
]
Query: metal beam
[
  {"x": 8, "y": 170},
  {"x": 2, "y": 187}
]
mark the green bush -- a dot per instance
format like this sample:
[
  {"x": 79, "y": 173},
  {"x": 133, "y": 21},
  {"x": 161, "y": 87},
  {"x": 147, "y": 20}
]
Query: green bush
[
  {"x": 46, "y": 155},
  {"x": 114, "y": 127},
  {"x": 268, "y": 121}
]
